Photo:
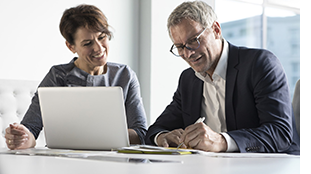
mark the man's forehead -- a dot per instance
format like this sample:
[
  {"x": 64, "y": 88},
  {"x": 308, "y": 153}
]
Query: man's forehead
[{"x": 184, "y": 30}]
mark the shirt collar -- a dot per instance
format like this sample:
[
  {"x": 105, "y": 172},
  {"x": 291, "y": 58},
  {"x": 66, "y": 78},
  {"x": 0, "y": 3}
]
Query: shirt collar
[{"x": 221, "y": 68}]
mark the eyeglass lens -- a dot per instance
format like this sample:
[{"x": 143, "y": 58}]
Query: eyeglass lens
[{"x": 191, "y": 45}]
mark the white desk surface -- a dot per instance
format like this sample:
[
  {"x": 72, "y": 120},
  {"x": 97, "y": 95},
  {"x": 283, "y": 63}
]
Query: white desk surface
[{"x": 184, "y": 164}]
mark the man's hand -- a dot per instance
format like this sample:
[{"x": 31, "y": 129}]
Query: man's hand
[
  {"x": 170, "y": 139},
  {"x": 200, "y": 136},
  {"x": 19, "y": 137}
]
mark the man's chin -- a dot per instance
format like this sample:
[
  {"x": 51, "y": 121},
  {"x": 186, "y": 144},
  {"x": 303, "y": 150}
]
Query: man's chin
[{"x": 200, "y": 70}]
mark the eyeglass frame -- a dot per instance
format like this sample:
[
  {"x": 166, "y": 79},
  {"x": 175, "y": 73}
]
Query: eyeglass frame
[{"x": 184, "y": 45}]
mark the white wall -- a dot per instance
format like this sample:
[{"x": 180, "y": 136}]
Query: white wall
[
  {"x": 166, "y": 68},
  {"x": 31, "y": 42}
]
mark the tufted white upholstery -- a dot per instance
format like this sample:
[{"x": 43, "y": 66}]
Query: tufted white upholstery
[{"x": 15, "y": 98}]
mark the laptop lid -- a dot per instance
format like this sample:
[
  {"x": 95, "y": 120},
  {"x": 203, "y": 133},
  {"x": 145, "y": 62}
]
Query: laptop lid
[{"x": 86, "y": 118}]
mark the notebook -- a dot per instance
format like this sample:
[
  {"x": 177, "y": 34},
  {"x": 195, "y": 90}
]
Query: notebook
[{"x": 85, "y": 118}]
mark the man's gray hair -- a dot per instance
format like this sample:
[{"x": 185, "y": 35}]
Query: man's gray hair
[{"x": 197, "y": 11}]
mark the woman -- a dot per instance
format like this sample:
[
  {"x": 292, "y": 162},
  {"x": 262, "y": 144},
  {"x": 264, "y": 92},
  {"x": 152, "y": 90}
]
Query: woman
[{"x": 85, "y": 29}]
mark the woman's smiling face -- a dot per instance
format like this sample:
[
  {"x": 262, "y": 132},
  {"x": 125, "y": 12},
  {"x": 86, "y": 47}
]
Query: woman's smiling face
[{"x": 91, "y": 47}]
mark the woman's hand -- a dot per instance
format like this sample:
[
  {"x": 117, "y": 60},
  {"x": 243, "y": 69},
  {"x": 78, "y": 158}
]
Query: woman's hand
[
  {"x": 134, "y": 139},
  {"x": 19, "y": 137}
]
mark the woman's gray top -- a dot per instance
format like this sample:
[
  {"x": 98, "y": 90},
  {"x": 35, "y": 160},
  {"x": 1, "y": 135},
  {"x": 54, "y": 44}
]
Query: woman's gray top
[{"x": 69, "y": 75}]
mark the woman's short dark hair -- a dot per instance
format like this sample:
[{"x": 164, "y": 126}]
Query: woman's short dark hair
[{"x": 87, "y": 16}]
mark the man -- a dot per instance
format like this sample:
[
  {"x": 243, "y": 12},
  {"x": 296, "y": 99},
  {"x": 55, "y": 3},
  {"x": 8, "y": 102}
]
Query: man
[{"x": 242, "y": 93}]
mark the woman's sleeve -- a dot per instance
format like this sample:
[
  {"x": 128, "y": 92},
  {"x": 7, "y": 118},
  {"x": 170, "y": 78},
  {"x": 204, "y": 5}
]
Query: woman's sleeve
[
  {"x": 136, "y": 116},
  {"x": 32, "y": 119}
]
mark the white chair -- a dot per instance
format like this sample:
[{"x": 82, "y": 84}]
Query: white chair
[
  {"x": 15, "y": 98},
  {"x": 296, "y": 106}
]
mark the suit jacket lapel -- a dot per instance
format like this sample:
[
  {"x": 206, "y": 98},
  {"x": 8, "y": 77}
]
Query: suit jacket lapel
[
  {"x": 233, "y": 61},
  {"x": 196, "y": 99}
]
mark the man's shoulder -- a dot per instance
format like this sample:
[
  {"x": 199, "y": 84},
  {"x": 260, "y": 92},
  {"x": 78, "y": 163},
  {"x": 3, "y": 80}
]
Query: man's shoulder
[
  {"x": 188, "y": 73},
  {"x": 249, "y": 51},
  {"x": 188, "y": 76}
]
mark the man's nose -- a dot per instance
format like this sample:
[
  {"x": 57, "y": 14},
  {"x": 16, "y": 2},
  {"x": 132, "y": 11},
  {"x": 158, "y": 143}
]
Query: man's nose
[{"x": 187, "y": 53}]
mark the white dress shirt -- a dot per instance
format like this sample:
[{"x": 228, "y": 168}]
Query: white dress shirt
[{"x": 213, "y": 101}]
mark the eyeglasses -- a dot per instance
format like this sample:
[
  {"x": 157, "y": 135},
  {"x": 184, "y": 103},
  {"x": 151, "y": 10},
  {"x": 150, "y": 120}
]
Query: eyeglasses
[{"x": 191, "y": 45}]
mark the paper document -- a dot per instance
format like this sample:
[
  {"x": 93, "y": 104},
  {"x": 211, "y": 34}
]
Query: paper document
[{"x": 146, "y": 149}]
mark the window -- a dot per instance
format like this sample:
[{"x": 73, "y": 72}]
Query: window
[
  {"x": 268, "y": 24},
  {"x": 244, "y": 28}
]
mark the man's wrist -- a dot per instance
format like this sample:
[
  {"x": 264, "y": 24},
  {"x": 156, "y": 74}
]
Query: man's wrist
[
  {"x": 156, "y": 137},
  {"x": 223, "y": 144},
  {"x": 231, "y": 144}
]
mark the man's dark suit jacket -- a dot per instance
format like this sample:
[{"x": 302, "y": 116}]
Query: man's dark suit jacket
[{"x": 257, "y": 103}]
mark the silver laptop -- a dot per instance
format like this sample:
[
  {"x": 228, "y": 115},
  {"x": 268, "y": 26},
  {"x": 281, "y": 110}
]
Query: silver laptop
[{"x": 86, "y": 118}]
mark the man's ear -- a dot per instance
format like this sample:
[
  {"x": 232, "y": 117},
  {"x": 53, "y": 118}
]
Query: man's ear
[
  {"x": 217, "y": 29},
  {"x": 71, "y": 47}
]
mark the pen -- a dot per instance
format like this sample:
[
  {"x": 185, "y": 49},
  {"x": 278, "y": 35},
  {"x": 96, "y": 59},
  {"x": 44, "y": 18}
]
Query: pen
[{"x": 201, "y": 119}]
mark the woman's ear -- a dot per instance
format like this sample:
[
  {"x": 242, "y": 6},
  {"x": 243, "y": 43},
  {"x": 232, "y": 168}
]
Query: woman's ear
[{"x": 71, "y": 47}]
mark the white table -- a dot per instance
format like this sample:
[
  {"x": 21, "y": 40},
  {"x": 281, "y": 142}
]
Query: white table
[{"x": 180, "y": 164}]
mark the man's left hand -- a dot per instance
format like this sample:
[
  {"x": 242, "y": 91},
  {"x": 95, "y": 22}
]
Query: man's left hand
[{"x": 200, "y": 136}]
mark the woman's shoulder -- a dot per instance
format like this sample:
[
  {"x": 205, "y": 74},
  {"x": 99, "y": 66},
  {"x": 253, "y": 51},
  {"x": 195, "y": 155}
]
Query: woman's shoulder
[
  {"x": 64, "y": 67},
  {"x": 118, "y": 67},
  {"x": 121, "y": 72}
]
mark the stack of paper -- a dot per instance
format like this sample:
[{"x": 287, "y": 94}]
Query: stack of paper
[{"x": 145, "y": 149}]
